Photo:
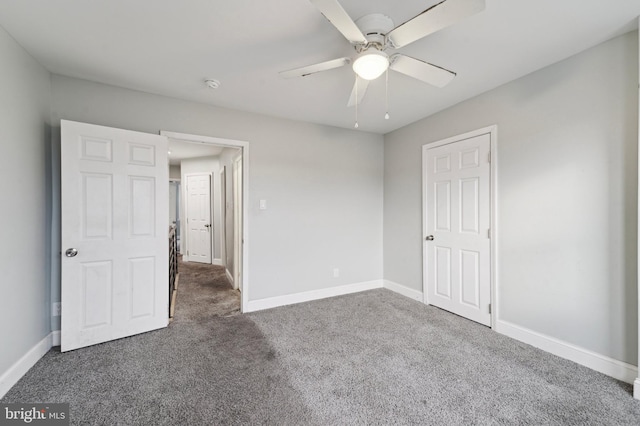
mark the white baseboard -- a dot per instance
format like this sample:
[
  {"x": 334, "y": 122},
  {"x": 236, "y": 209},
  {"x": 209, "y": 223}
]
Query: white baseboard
[
  {"x": 404, "y": 290},
  {"x": 636, "y": 388},
  {"x": 20, "y": 367},
  {"x": 56, "y": 338},
  {"x": 307, "y": 296},
  {"x": 604, "y": 364},
  {"x": 217, "y": 262},
  {"x": 229, "y": 276}
]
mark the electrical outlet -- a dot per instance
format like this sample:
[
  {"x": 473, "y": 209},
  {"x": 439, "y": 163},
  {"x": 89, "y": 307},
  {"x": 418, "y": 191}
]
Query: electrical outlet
[
  {"x": 336, "y": 272},
  {"x": 56, "y": 309}
]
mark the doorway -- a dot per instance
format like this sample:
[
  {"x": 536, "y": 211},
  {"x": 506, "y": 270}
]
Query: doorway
[
  {"x": 115, "y": 202},
  {"x": 459, "y": 225},
  {"x": 228, "y": 225}
]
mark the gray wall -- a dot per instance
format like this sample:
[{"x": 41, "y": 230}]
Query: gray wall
[
  {"x": 24, "y": 175},
  {"x": 323, "y": 184},
  {"x": 567, "y": 201},
  {"x": 174, "y": 172}
]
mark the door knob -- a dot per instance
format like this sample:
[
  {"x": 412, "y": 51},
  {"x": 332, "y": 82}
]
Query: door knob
[
  {"x": 429, "y": 238},
  {"x": 71, "y": 252}
]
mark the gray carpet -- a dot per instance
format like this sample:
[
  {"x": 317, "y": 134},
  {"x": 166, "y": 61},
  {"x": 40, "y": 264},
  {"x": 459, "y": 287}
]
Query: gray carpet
[
  {"x": 204, "y": 292},
  {"x": 368, "y": 358}
]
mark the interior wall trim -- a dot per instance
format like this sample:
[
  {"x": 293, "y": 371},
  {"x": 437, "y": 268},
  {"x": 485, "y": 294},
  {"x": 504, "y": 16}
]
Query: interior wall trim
[
  {"x": 404, "y": 290},
  {"x": 598, "y": 362},
  {"x": 10, "y": 377},
  {"x": 308, "y": 296}
]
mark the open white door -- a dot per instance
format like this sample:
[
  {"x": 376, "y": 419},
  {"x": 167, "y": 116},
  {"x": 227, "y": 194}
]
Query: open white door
[
  {"x": 200, "y": 232},
  {"x": 458, "y": 213},
  {"x": 115, "y": 221}
]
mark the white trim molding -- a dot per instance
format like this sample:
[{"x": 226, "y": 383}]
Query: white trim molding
[
  {"x": 604, "y": 364},
  {"x": 308, "y": 296},
  {"x": 403, "y": 290},
  {"x": 229, "y": 276},
  {"x": 636, "y": 383},
  {"x": 10, "y": 377}
]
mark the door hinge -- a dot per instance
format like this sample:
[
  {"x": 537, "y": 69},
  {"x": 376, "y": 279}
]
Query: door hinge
[
  {"x": 489, "y": 233},
  {"x": 489, "y": 307},
  {"x": 489, "y": 157}
]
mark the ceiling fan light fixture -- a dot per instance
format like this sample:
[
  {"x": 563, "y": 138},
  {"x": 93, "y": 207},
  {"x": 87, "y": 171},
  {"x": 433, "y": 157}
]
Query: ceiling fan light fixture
[{"x": 371, "y": 64}]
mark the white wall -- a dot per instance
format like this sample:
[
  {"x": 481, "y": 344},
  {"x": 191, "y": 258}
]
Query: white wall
[
  {"x": 567, "y": 164},
  {"x": 323, "y": 184},
  {"x": 174, "y": 172},
  {"x": 209, "y": 165},
  {"x": 25, "y": 252}
]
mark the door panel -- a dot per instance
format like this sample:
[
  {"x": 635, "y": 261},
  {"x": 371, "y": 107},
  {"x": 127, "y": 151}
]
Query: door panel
[
  {"x": 114, "y": 194},
  {"x": 457, "y": 191},
  {"x": 97, "y": 282},
  {"x": 97, "y": 207},
  {"x": 470, "y": 278},
  {"x": 443, "y": 272}
]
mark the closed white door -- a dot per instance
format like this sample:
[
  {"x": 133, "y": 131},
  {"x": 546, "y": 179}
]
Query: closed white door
[
  {"x": 458, "y": 212},
  {"x": 114, "y": 187},
  {"x": 199, "y": 217}
]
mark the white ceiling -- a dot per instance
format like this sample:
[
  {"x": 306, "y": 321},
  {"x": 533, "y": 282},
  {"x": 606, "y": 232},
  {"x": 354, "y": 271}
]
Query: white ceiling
[
  {"x": 169, "y": 47},
  {"x": 183, "y": 150}
]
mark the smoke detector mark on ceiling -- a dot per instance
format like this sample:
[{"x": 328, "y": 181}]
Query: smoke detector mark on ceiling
[{"x": 212, "y": 83}]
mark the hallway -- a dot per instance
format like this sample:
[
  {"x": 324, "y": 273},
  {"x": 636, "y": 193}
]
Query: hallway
[{"x": 203, "y": 292}]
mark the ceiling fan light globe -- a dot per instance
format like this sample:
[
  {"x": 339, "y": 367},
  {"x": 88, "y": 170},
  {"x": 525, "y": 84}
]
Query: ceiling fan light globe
[{"x": 371, "y": 65}]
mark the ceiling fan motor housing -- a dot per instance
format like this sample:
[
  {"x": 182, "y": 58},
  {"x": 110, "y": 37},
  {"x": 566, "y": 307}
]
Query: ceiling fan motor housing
[{"x": 374, "y": 27}]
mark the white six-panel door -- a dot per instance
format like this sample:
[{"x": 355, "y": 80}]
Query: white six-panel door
[
  {"x": 114, "y": 186},
  {"x": 458, "y": 211},
  {"x": 199, "y": 238}
]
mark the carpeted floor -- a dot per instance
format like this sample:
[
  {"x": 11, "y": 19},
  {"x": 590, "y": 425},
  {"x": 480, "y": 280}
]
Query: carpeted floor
[
  {"x": 205, "y": 292},
  {"x": 368, "y": 358}
]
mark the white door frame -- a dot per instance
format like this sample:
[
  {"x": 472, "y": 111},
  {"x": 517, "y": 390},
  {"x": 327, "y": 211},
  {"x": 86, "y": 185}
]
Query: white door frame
[
  {"x": 244, "y": 146},
  {"x": 493, "y": 134},
  {"x": 237, "y": 231},
  {"x": 223, "y": 216},
  {"x": 185, "y": 240}
]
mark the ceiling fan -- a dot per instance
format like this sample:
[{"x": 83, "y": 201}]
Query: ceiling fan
[{"x": 372, "y": 35}]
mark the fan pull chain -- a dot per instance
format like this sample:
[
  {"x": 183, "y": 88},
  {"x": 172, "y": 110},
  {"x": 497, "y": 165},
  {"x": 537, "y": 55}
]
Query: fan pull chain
[
  {"x": 356, "y": 126},
  {"x": 386, "y": 95}
]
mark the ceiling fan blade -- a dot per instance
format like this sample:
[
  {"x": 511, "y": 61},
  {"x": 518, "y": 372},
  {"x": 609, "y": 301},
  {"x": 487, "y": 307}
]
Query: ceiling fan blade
[
  {"x": 435, "y": 18},
  {"x": 420, "y": 70},
  {"x": 333, "y": 11},
  {"x": 362, "y": 85},
  {"x": 311, "y": 69}
]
